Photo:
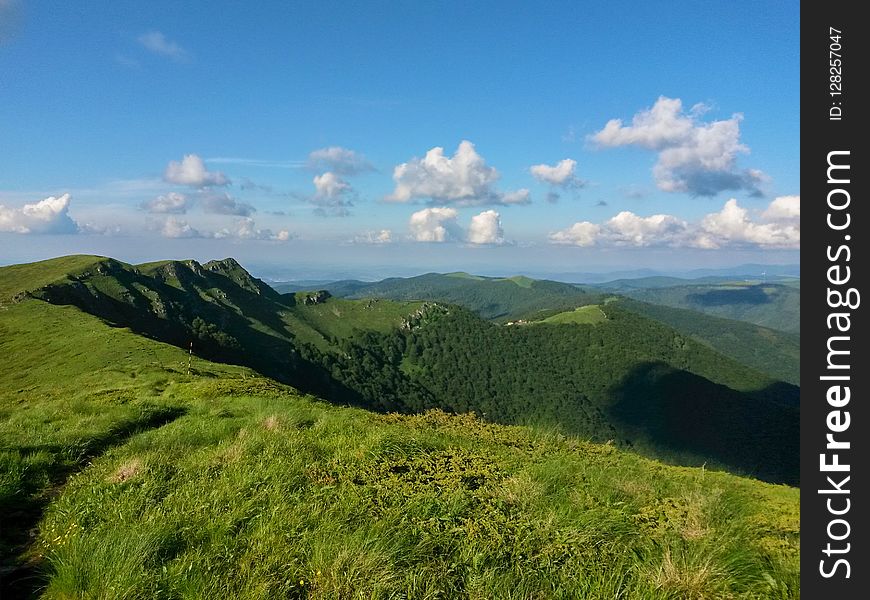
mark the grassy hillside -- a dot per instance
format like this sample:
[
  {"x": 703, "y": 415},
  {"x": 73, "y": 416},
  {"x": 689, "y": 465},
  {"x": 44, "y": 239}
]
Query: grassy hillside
[
  {"x": 599, "y": 382},
  {"x": 772, "y": 305},
  {"x": 775, "y": 353},
  {"x": 18, "y": 279},
  {"x": 226, "y": 314},
  {"x": 337, "y": 318},
  {"x": 501, "y": 299},
  {"x": 138, "y": 480},
  {"x": 583, "y": 315}
]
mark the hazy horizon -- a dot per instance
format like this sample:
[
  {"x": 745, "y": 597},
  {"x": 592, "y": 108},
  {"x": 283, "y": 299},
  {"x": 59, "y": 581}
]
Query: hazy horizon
[{"x": 325, "y": 261}]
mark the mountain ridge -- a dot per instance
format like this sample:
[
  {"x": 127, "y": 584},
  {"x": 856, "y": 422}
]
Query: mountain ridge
[{"x": 367, "y": 353}]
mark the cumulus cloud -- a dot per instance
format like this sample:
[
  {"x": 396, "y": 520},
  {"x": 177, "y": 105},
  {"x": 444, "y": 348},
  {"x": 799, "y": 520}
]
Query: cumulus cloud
[
  {"x": 330, "y": 185},
  {"x": 242, "y": 229},
  {"x": 783, "y": 208},
  {"x": 435, "y": 225},
  {"x": 171, "y": 203},
  {"x": 778, "y": 227},
  {"x": 333, "y": 196},
  {"x": 463, "y": 179},
  {"x": 582, "y": 233},
  {"x": 339, "y": 160},
  {"x": 191, "y": 171},
  {"x": 246, "y": 229},
  {"x": 157, "y": 43},
  {"x": 733, "y": 226},
  {"x": 439, "y": 224},
  {"x": 173, "y": 227},
  {"x": 628, "y": 229},
  {"x": 50, "y": 215},
  {"x": 696, "y": 157},
  {"x": 625, "y": 229},
  {"x": 224, "y": 204},
  {"x": 384, "y": 236},
  {"x": 562, "y": 174},
  {"x": 485, "y": 228}
]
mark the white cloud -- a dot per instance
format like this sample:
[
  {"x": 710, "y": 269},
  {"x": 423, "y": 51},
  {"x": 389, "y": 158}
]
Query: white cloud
[
  {"x": 731, "y": 226},
  {"x": 246, "y": 229},
  {"x": 582, "y": 234},
  {"x": 191, "y": 171},
  {"x": 435, "y": 225},
  {"x": 242, "y": 229},
  {"x": 156, "y": 42},
  {"x": 485, "y": 228},
  {"x": 693, "y": 156},
  {"x": 339, "y": 160},
  {"x": 783, "y": 208},
  {"x": 174, "y": 227},
  {"x": 330, "y": 185},
  {"x": 384, "y": 236},
  {"x": 171, "y": 203},
  {"x": 627, "y": 228},
  {"x": 562, "y": 174},
  {"x": 439, "y": 224},
  {"x": 333, "y": 196},
  {"x": 97, "y": 229},
  {"x": 520, "y": 196},
  {"x": 221, "y": 203},
  {"x": 463, "y": 179},
  {"x": 50, "y": 215}
]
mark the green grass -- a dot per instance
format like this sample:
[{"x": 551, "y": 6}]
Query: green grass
[
  {"x": 338, "y": 318},
  {"x": 584, "y": 315},
  {"x": 26, "y": 277},
  {"x": 262, "y": 496},
  {"x": 521, "y": 280},
  {"x": 144, "y": 481}
]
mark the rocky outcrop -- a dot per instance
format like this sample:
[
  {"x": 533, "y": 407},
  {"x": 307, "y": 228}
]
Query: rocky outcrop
[{"x": 317, "y": 297}]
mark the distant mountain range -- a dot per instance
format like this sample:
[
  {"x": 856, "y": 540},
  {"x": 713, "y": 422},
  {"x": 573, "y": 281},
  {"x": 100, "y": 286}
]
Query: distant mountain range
[{"x": 746, "y": 271}]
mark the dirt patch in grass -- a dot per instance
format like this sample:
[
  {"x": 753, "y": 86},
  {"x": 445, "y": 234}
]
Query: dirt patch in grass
[{"x": 128, "y": 470}]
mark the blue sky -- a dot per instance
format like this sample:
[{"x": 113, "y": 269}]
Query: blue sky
[{"x": 298, "y": 133}]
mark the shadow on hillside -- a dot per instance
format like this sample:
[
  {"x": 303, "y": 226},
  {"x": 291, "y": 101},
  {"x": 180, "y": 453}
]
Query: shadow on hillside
[
  {"x": 20, "y": 576},
  {"x": 692, "y": 416},
  {"x": 754, "y": 295},
  {"x": 229, "y": 335}
]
